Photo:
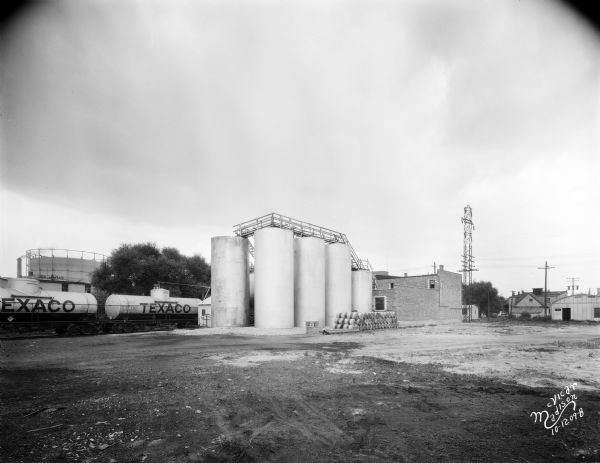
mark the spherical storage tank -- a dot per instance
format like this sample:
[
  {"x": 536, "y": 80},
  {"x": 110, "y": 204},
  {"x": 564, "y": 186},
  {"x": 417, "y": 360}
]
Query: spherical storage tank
[
  {"x": 362, "y": 290},
  {"x": 338, "y": 281},
  {"x": 229, "y": 281},
  {"x": 309, "y": 281},
  {"x": 273, "y": 278}
]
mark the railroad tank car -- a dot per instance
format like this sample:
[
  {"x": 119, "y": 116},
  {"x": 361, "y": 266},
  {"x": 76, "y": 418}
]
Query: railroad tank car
[
  {"x": 24, "y": 305},
  {"x": 124, "y": 310}
]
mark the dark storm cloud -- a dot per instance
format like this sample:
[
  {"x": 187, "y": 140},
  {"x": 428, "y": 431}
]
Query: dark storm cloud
[{"x": 381, "y": 117}]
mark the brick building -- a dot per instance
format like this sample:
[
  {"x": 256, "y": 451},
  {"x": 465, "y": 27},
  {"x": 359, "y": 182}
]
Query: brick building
[{"x": 436, "y": 296}]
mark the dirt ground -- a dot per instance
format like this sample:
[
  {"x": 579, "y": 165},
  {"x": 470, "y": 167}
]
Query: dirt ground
[{"x": 423, "y": 392}]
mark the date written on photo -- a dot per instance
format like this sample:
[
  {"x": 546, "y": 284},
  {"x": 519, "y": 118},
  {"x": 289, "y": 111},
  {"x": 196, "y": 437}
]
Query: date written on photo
[{"x": 561, "y": 411}]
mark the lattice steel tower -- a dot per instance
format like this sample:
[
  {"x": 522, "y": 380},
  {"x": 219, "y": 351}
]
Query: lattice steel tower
[{"x": 468, "y": 261}]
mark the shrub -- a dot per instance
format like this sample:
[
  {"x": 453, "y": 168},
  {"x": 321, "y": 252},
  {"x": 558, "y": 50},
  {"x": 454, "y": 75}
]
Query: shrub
[{"x": 526, "y": 316}]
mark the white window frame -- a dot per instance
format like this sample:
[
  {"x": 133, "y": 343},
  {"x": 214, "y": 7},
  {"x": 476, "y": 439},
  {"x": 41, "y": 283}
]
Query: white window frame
[{"x": 430, "y": 282}]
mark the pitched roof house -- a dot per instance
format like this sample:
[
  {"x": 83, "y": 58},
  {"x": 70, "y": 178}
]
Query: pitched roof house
[{"x": 533, "y": 302}]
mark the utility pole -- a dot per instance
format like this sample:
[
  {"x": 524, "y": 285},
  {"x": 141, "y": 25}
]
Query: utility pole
[
  {"x": 572, "y": 286},
  {"x": 545, "y": 269},
  {"x": 510, "y": 302}
]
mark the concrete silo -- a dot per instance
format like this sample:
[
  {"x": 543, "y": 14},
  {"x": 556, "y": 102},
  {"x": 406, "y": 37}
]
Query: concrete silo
[
  {"x": 338, "y": 281},
  {"x": 273, "y": 278},
  {"x": 229, "y": 281},
  {"x": 362, "y": 290},
  {"x": 309, "y": 281}
]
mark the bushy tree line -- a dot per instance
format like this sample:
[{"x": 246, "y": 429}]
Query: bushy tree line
[
  {"x": 479, "y": 293},
  {"x": 136, "y": 268}
]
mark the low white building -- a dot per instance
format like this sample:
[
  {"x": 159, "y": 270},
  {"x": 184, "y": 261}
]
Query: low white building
[
  {"x": 576, "y": 307},
  {"x": 205, "y": 313}
]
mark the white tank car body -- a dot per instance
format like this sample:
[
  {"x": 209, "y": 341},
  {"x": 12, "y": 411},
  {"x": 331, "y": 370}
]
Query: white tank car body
[
  {"x": 124, "y": 306},
  {"x": 38, "y": 305}
]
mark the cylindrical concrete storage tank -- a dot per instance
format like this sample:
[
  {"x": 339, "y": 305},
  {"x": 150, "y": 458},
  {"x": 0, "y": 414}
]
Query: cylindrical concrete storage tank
[
  {"x": 229, "y": 281},
  {"x": 338, "y": 281},
  {"x": 273, "y": 278},
  {"x": 362, "y": 290},
  {"x": 309, "y": 281}
]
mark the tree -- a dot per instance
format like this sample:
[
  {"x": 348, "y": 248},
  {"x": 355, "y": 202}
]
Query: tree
[
  {"x": 479, "y": 293},
  {"x": 136, "y": 268}
]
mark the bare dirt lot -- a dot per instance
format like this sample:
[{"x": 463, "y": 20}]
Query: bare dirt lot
[{"x": 424, "y": 392}]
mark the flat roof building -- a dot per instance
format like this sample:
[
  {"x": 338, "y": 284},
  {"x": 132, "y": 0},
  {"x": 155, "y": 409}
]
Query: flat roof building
[
  {"x": 435, "y": 296},
  {"x": 577, "y": 307}
]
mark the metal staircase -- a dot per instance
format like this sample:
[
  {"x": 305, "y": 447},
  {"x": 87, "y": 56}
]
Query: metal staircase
[{"x": 301, "y": 229}]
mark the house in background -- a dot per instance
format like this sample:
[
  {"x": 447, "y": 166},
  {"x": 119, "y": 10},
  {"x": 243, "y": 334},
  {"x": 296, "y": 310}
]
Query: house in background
[
  {"x": 435, "y": 296},
  {"x": 533, "y": 302}
]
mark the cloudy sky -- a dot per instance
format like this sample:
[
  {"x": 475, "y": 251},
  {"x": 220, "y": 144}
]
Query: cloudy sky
[{"x": 170, "y": 121}]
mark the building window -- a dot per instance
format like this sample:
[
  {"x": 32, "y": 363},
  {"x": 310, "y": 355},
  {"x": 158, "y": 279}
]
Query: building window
[
  {"x": 431, "y": 284},
  {"x": 88, "y": 288},
  {"x": 380, "y": 303},
  {"x": 391, "y": 285},
  {"x": 65, "y": 287},
  {"x": 596, "y": 312}
]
